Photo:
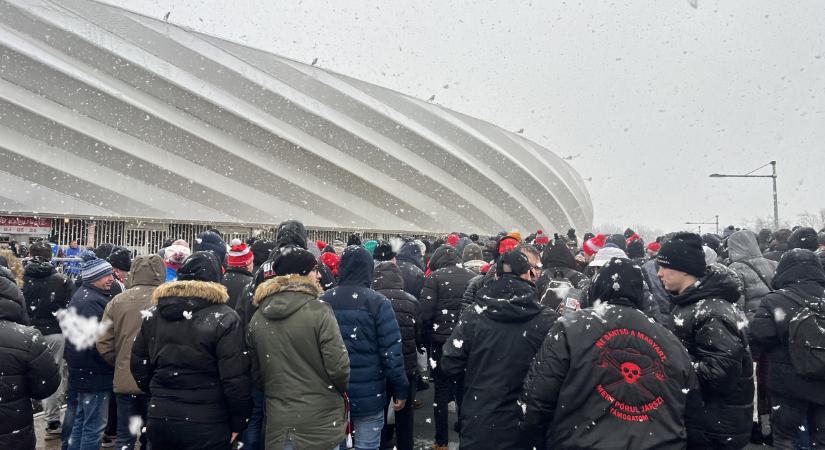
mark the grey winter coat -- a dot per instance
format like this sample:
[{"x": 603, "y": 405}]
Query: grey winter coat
[{"x": 754, "y": 270}]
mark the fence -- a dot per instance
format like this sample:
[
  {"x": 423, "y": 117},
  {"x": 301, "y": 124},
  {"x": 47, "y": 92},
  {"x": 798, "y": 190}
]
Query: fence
[{"x": 147, "y": 236}]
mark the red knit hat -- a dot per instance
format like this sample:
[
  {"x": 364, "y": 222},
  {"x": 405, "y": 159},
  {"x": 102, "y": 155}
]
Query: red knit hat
[
  {"x": 239, "y": 254},
  {"x": 320, "y": 244},
  {"x": 453, "y": 239},
  {"x": 594, "y": 244},
  {"x": 654, "y": 247},
  {"x": 331, "y": 260},
  {"x": 506, "y": 244},
  {"x": 541, "y": 238}
]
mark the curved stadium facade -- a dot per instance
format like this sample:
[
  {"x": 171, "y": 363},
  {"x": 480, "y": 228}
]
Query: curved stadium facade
[{"x": 107, "y": 113}]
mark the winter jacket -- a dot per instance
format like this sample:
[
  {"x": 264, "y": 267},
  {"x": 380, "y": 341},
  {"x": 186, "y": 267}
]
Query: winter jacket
[
  {"x": 411, "y": 265},
  {"x": 713, "y": 331},
  {"x": 45, "y": 291},
  {"x": 125, "y": 312},
  {"x": 475, "y": 285},
  {"x": 370, "y": 332},
  {"x": 754, "y": 271},
  {"x": 492, "y": 347},
  {"x": 798, "y": 277},
  {"x": 300, "y": 362},
  {"x": 608, "y": 377},
  {"x": 189, "y": 356},
  {"x": 28, "y": 369},
  {"x": 558, "y": 263},
  {"x": 88, "y": 371},
  {"x": 388, "y": 282},
  {"x": 442, "y": 298},
  {"x": 235, "y": 279}
]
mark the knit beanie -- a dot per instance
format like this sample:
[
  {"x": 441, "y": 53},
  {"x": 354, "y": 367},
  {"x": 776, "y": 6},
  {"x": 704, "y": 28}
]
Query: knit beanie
[
  {"x": 805, "y": 238},
  {"x": 353, "y": 239},
  {"x": 506, "y": 244},
  {"x": 472, "y": 252},
  {"x": 594, "y": 244},
  {"x": 517, "y": 262},
  {"x": 683, "y": 252},
  {"x": 654, "y": 247},
  {"x": 201, "y": 266},
  {"x": 541, "y": 238},
  {"x": 618, "y": 240},
  {"x": 515, "y": 234},
  {"x": 370, "y": 245},
  {"x": 94, "y": 268},
  {"x": 261, "y": 249},
  {"x": 175, "y": 255},
  {"x": 41, "y": 249},
  {"x": 120, "y": 258},
  {"x": 294, "y": 260},
  {"x": 452, "y": 239},
  {"x": 383, "y": 252},
  {"x": 239, "y": 254}
]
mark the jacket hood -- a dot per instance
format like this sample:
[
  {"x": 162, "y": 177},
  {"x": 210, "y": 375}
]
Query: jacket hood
[
  {"x": 804, "y": 237},
  {"x": 461, "y": 245},
  {"x": 743, "y": 245},
  {"x": 291, "y": 232},
  {"x": 798, "y": 266},
  {"x": 444, "y": 256},
  {"x": 147, "y": 270},
  {"x": 411, "y": 253},
  {"x": 39, "y": 268},
  {"x": 387, "y": 276},
  {"x": 718, "y": 282},
  {"x": 179, "y": 299},
  {"x": 619, "y": 282},
  {"x": 356, "y": 267},
  {"x": 11, "y": 299},
  {"x": 472, "y": 252},
  {"x": 279, "y": 297},
  {"x": 558, "y": 255},
  {"x": 509, "y": 299}
]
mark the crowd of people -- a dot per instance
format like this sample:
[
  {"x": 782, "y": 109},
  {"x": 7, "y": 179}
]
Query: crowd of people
[{"x": 556, "y": 342}]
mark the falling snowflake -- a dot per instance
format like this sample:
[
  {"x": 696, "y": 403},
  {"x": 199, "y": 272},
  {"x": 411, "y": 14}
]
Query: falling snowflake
[
  {"x": 80, "y": 331},
  {"x": 457, "y": 343},
  {"x": 187, "y": 315},
  {"x": 779, "y": 314},
  {"x": 145, "y": 314},
  {"x": 135, "y": 425}
]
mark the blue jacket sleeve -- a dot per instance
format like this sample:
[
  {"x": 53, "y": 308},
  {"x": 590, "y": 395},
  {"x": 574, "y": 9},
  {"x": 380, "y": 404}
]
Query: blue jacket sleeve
[{"x": 389, "y": 347}]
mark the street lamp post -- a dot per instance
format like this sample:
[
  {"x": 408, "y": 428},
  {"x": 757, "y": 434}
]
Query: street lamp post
[
  {"x": 716, "y": 222},
  {"x": 749, "y": 175}
]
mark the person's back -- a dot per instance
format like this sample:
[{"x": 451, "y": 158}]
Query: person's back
[
  {"x": 754, "y": 270},
  {"x": 495, "y": 343},
  {"x": 558, "y": 269},
  {"x": 28, "y": 370},
  {"x": 373, "y": 341},
  {"x": 608, "y": 377},
  {"x": 189, "y": 355},
  {"x": 298, "y": 357},
  {"x": 442, "y": 297},
  {"x": 411, "y": 264},
  {"x": 799, "y": 279}
]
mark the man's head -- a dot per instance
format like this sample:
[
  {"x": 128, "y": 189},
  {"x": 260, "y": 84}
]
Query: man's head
[
  {"x": 40, "y": 249},
  {"x": 73, "y": 244},
  {"x": 534, "y": 259},
  {"x": 98, "y": 273},
  {"x": 515, "y": 262},
  {"x": 294, "y": 260},
  {"x": 681, "y": 262}
]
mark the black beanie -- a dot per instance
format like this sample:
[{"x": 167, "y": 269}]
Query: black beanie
[
  {"x": 41, "y": 249},
  {"x": 383, "y": 252},
  {"x": 120, "y": 258},
  {"x": 261, "y": 250},
  {"x": 353, "y": 239},
  {"x": 294, "y": 260},
  {"x": 618, "y": 240},
  {"x": 201, "y": 266},
  {"x": 519, "y": 265},
  {"x": 212, "y": 242},
  {"x": 628, "y": 233},
  {"x": 104, "y": 250},
  {"x": 683, "y": 252},
  {"x": 804, "y": 237}
]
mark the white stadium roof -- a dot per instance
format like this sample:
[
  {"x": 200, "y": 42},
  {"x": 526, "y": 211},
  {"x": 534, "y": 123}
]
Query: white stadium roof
[{"x": 108, "y": 113}]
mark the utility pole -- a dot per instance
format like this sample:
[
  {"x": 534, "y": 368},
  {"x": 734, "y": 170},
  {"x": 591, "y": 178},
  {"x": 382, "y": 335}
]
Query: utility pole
[{"x": 773, "y": 176}]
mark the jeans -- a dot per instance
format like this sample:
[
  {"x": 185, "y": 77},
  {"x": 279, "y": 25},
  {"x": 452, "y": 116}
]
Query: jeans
[
  {"x": 129, "y": 408},
  {"x": 252, "y": 436},
  {"x": 787, "y": 418},
  {"x": 89, "y": 420},
  {"x": 366, "y": 432},
  {"x": 404, "y": 421},
  {"x": 68, "y": 419},
  {"x": 51, "y": 405}
]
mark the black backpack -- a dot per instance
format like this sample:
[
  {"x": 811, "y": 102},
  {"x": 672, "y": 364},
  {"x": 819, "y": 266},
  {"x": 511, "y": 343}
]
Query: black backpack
[{"x": 806, "y": 336}]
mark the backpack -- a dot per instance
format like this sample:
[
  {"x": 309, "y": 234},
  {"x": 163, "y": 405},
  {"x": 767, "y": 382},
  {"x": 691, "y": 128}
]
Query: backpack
[
  {"x": 806, "y": 337},
  {"x": 561, "y": 295}
]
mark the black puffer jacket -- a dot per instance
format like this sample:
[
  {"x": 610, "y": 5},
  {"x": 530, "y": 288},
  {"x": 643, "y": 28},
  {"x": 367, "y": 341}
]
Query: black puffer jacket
[
  {"x": 388, "y": 282},
  {"x": 608, "y": 377},
  {"x": 755, "y": 271},
  {"x": 46, "y": 291},
  {"x": 494, "y": 342},
  {"x": 442, "y": 297},
  {"x": 713, "y": 331},
  {"x": 558, "y": 263},
  {"x": 235, "y": 279},
  {"x": 189, "y": 355},
  {"x": 411, "y": 265},
  {"x": 799, "y": 277},
  {"x": 28, "y": 369}
]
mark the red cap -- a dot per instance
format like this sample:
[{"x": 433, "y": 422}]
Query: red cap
[{"x": 239, "y": 254}]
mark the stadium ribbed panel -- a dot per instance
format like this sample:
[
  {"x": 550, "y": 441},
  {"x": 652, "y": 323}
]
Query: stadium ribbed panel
[{"x": 105, "y": 112}]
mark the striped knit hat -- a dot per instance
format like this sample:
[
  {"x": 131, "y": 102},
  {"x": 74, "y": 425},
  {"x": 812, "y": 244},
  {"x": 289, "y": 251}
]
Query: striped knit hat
[
  {"x": 239, "y": 254},
  {"x": 95, "y": 269}
]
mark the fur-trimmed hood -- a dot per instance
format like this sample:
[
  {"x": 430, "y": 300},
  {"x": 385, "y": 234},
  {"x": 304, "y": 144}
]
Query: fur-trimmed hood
[
  {"x": 279, "y": 297},
  {"x": 211, "y": 292}
]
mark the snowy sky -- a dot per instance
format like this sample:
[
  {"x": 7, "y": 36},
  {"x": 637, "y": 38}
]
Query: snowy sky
[{"x": 650, "y": 97}]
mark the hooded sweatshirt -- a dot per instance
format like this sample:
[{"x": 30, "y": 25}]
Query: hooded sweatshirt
[
  {"x": 442, "y": 298},
  {"x": 755, "y": 271}
]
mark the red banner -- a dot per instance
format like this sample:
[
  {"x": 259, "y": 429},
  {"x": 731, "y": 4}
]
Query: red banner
[{"x": 25, "y": 225}]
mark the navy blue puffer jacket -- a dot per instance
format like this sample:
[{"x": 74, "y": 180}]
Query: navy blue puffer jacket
[{"x": 370, "y": 332}]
